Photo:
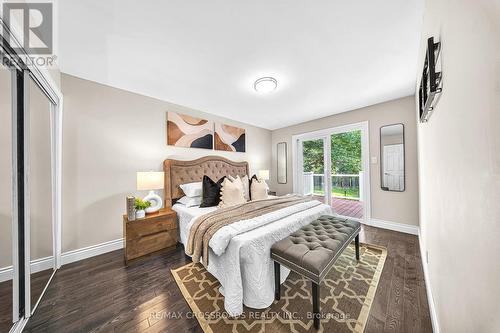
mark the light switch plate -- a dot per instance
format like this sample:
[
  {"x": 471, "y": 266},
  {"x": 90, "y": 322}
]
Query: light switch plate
[{"x": 374, "y": 159}]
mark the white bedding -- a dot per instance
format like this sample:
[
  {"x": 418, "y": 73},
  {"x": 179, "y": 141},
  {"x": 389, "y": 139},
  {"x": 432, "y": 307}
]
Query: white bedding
[
  {"x": 186, "y": 216},
  {"x": 244, "y": 267}
]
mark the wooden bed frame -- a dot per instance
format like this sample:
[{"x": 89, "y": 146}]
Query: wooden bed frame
[{"x": 183, "y": 172}]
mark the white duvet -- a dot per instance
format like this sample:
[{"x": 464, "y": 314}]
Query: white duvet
[{"x": 240, "y": 253}]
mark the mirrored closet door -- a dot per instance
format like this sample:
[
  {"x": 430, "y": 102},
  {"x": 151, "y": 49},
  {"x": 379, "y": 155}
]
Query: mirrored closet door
[
  {"x": 41, "y": 250},
  {"x": 6, "y": 233},
  {"x": 30, "y": 183}
]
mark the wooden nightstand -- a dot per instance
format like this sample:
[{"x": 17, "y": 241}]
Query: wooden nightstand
[{"x": 157, "y": 231}]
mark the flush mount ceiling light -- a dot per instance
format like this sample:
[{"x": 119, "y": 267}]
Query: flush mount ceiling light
[{"x": 265, "y": 84}]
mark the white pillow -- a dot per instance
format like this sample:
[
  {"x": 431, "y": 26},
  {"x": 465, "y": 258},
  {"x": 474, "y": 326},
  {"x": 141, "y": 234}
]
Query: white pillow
[
  {"x": 246, "y": 185},
  {"x": 231, "y": 193},
  {"x": 192, "y": 189},
  {"x": 190, "y": 201},
  {"x": 258, "y": 187}
]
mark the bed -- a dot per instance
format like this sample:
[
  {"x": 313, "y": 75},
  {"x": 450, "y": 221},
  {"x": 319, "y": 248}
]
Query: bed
[{"x": 243, "y": 268}]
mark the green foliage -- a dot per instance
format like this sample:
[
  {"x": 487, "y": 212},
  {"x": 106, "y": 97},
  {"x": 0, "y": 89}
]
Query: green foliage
[
  {"x": 141, "y": 204},
  {"x": 345, "y": 192},
  {"x": 339, "y": 192},
  {"x": 346, "y": 154},
  {"x": 313, "y": 156}
]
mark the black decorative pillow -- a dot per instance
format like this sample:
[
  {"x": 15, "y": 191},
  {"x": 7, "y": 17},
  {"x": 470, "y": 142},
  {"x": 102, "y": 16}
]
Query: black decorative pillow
[
  {"x": 210, "y": 195},
  {"x": 254, "y": 177}
]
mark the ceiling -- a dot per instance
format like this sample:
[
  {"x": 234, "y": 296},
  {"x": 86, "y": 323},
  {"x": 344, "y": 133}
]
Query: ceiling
[{"x": 328, "y": 56}]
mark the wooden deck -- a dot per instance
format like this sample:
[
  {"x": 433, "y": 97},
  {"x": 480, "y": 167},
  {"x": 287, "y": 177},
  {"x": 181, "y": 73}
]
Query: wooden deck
[{"x": 345, "y": 207}]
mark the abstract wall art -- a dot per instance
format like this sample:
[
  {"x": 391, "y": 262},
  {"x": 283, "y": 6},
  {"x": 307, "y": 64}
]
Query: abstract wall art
[
  {"x": 189, "y": 132},
  {"x": 229, "y": 138}
]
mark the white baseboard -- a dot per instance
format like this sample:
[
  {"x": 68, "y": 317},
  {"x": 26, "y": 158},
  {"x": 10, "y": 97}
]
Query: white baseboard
[
  {"x": 66, "y": 258},
  {"x": 91, "y": 251},
  {"x": 6, "y": 273},
  {"x": 406, "y": 228},
  {"x": 430, "y": 298},
  {"x": 42, "y": 264},
  {"x": 37, "y": 265}
]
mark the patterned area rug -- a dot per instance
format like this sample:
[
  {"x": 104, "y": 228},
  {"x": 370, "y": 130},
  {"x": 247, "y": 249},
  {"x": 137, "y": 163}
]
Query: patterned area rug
[{"x": 346, "y": 297}]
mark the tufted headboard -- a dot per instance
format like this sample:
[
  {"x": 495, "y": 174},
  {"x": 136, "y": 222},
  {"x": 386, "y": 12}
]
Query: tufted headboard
[{"x": 182, "y": 172}]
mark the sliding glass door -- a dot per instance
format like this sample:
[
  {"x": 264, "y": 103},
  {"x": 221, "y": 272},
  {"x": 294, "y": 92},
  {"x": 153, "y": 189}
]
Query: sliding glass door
[
  {"x": 332, "y": 165},
  {"x": 347, "y": 174},
  {"x": 313, "y": 168}
]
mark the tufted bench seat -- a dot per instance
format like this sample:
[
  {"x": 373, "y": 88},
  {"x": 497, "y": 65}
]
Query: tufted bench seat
[{"x": 312, "y": 251}]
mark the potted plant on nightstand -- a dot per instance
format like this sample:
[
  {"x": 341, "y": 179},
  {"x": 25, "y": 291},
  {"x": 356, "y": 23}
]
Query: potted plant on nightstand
[{"x": 140, "y": 206}]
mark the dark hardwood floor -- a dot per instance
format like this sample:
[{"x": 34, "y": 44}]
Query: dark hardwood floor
[
  {"x": 100, "y": 294},
  {"x": 5, "y": 306},
  {"x": 38, "y": 282}
]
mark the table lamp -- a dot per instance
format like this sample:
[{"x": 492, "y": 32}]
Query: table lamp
[
  {"x": 151, "y": 181},
  {"x": 264, "y": 174}
]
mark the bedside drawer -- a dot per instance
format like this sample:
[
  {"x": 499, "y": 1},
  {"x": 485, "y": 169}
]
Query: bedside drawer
[
  {"x": 157, "y": 231},
  {"x": 141, "y": 228},
  {"x": 151, "y": 243}
]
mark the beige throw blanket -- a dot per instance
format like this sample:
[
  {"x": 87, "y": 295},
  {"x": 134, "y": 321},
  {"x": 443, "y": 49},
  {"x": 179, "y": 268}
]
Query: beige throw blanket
[{"x": 205, "y": 226}]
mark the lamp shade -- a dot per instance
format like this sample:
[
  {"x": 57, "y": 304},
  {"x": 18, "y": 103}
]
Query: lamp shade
[
  {"x": 150, "y": 180},
  {"x": 264, "y": 174}
]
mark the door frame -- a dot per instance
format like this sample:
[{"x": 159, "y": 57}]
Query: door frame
[{"x": 297, "y": 140}]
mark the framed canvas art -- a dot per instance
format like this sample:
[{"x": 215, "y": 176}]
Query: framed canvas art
[
  {"x": 189, "y": 132},
  {"x": 229, "y": 138}
]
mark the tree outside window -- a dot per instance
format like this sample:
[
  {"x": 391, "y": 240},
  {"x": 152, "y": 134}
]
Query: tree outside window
[{"x": 346, "y": 160}]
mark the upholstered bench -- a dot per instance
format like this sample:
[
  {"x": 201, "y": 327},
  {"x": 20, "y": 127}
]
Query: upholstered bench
[{"x": 312, "y": 252}]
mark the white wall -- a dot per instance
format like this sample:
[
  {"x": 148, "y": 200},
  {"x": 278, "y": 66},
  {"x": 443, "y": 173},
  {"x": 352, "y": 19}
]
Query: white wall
[
  {"x": 109, "y": 135},
  {"x": 459, "y": 164},
  {"x": 399, "y": 207}
]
